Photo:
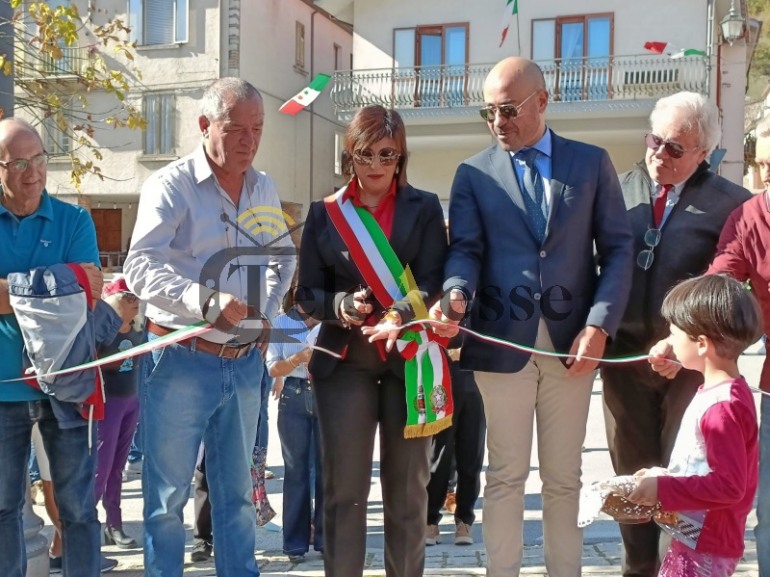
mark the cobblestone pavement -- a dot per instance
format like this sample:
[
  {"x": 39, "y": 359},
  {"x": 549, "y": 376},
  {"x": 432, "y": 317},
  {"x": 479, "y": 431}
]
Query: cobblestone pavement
[
  {"x": 598, "y": 559},
  {"x": 601, "y": 553}
]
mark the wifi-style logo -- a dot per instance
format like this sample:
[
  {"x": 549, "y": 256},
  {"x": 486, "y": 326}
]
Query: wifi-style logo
[
  {"x": 267, "y": 219},
  {"x": 265, "y": 229}
]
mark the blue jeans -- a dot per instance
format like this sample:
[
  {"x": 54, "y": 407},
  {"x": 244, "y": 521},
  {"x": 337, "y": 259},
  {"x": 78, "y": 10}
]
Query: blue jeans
[
  {"x": 301, "y": 448},
  {"x": 135, "y": 452},
  {"x": 192, "y": 396},
  {"x": 263, "y": 428},
  {"x": 73, "y": 466},
  {"x": 145, "y": 366},
  {"x": 34, "y": 468},
  {"x": 762, "y": 530}
]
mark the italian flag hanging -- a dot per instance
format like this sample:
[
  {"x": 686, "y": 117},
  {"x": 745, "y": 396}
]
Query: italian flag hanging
[
  {"x": 672, "y": 50},
  {"x": 511, "y": 10},
  {"x": 306, "y": 96},
  {"x": 429, "y": 404}
]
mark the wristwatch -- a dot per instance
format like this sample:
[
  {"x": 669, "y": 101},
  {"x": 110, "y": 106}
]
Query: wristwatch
[{"x": 211, "y": 306}]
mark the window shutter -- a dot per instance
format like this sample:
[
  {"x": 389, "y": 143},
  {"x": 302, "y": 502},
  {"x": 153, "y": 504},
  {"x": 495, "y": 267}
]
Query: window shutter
[
  {"x": 158, "y": 22},
  {"x": 167, "y": 124},
  {"x": 151, "y": 132}
]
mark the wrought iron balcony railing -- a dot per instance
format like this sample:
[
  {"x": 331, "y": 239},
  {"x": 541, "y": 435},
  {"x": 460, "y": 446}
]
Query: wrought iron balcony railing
[
  {"x": 574, "y": 80},
  {"x": 35, "y": 64}
]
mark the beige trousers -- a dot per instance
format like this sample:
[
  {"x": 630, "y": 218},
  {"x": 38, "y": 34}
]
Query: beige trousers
[{"x": 541, "y": 392}]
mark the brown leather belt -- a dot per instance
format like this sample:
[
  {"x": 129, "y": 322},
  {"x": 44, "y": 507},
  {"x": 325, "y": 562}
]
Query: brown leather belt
[{"x": 225, "y": 351}]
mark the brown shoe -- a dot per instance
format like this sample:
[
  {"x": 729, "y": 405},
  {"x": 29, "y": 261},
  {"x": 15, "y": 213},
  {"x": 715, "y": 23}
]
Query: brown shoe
[
  {"x": 450, "y": 503},
  {"x": 432, "y": 535},
  {"x": 463, "y": 534}
]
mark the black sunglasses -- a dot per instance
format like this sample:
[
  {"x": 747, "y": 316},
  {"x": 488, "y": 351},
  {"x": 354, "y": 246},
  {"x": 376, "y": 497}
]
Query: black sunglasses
[
  {"x": 673, "y": 149},
  {"x": 507, "y": 111},
  {"x": 647, "y": 256}
]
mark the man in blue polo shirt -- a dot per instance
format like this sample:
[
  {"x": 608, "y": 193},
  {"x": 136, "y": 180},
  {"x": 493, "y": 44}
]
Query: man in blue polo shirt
[{"x": 37, "y": 230}]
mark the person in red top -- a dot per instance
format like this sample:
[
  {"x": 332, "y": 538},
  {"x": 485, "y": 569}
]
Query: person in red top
[
  {"x": 742, "y": 253},
  {"x": 712, "y": 476}
]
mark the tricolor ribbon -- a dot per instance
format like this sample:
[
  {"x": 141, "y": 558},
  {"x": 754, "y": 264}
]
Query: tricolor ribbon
[
  {"x": 391, "y": 282},
  {"x": 545, "y": 353}
]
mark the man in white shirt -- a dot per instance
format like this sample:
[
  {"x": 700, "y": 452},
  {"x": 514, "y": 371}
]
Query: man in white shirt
[{"x": 206, "y": 246}]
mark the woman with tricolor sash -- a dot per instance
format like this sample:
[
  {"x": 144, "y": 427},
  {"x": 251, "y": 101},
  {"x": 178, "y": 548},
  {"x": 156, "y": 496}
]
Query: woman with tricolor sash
[{"x": 374, "y": 253}]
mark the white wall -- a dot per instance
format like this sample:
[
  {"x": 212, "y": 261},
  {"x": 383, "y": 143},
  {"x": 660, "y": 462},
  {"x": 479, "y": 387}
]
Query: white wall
[
  {"x": 268, "y": 61},
  {"x": 635, "y": 23}
]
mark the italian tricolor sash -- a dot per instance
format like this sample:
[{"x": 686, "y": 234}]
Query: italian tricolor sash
[{"x": 429, "y": 403}]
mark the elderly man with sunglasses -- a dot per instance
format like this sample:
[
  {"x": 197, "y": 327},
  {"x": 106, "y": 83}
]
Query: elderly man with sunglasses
[
  {"x": 524, "y": 217},
  {"x": 677, "y": 208}
]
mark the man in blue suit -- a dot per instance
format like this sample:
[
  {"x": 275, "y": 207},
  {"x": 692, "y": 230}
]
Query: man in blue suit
[{"x": 540, "y": 254}]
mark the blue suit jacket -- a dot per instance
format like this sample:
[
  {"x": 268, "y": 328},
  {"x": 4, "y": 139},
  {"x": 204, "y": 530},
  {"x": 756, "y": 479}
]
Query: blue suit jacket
[{"x": 580, "y": 275}]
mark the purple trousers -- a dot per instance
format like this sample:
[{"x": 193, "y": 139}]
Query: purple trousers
[{"x": 114, "y": 436}]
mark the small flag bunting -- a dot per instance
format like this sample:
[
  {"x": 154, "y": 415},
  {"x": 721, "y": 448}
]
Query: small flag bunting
[
  {"x": 306, "y": 96},
  {"x": 671, "y": 50},
  {"x": 511, "y": 10}
]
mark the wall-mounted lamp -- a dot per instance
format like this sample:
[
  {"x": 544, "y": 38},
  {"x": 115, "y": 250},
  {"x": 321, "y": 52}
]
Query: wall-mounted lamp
[{"x": 732, "y": 25}]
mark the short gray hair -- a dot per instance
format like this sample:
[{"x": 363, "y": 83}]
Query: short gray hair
[
  {"x": 213, "y": 103},
  {"x": 696, "y": 112}
]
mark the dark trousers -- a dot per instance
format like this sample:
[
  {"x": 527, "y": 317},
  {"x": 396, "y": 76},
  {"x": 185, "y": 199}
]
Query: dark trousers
[
  {"x": 360, "y": 394},
  {"x": 643, "y": 412},
  {"x": 201, "y": 504},
  {"x": 463, "y": 444}
]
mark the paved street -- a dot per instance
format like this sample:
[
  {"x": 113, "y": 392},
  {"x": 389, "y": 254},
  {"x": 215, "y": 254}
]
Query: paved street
[{"x": 602, "y": 541}]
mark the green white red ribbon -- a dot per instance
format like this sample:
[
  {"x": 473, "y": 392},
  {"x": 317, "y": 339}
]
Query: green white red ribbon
[
  {"x": 171, "y": 338},
  {"x": 425, "y": 370}
]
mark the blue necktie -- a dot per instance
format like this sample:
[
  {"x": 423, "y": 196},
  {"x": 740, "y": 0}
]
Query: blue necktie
[{"x": 533, "y": 189}]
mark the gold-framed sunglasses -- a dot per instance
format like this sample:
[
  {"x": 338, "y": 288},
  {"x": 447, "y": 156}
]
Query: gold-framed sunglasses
[
  {"x": 507, "y": 111},
  {"x": 386, "y": 157}
]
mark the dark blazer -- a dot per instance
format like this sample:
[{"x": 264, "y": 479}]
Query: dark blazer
[
  {"x": 688, "y": 243},
  {"x": 326, "y": 273},
  {"x": 495, "y": 257}
]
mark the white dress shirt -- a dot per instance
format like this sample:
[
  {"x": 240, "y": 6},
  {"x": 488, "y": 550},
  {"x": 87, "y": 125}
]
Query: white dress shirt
[
  {"x": 190, "y": 240},
  {"x": 671, "y": 199}
]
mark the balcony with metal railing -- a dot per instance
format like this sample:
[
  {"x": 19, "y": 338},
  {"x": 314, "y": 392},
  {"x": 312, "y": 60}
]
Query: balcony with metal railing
[
  {"x": 577, "y": 83},
  {"x": 35, "y": 64}
]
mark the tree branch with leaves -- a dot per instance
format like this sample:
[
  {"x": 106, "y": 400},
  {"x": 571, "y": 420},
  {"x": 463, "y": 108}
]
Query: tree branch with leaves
[{"x": 61, "y": 59}]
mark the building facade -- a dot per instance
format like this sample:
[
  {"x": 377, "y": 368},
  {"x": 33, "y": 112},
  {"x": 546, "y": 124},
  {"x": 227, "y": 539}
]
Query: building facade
[
  {"x": 429, "y": 59},
  {"x": 182, "y": 46}
]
